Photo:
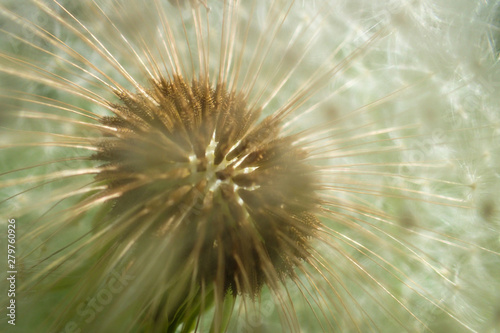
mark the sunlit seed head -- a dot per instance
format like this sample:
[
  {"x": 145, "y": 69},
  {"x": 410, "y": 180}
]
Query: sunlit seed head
[
  {"x": 245, "y": 195},
  {"x": 138, "y": 148}
]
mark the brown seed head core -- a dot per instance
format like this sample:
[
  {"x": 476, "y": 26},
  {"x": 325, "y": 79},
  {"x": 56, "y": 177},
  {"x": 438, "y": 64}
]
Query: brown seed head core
[{"x": 239, "y": 197}]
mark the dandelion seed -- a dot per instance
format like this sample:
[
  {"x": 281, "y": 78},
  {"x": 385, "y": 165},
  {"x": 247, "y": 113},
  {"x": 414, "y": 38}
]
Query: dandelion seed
[{"x": 196, "y": 166}]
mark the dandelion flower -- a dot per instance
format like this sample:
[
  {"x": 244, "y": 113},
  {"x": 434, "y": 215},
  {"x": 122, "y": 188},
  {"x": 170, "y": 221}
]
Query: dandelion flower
[{"x": 230, "y": 166}]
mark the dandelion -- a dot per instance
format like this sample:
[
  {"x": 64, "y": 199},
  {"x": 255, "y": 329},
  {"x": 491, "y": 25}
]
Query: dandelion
[{"x": 229, "y": 166}]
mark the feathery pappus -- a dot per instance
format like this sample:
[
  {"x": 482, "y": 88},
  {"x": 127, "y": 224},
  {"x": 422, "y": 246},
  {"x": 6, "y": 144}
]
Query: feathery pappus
[{"x": 251, "y": 166}]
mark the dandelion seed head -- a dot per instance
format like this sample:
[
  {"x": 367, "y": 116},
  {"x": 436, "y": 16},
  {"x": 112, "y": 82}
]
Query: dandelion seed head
[
  {"x": 335, "y": 160},
  {"x": 204, "y": 158}
]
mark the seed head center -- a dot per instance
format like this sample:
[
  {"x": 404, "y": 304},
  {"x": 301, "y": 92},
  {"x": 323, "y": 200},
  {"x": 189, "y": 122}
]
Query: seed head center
[{"x": 240, "y": 196}]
